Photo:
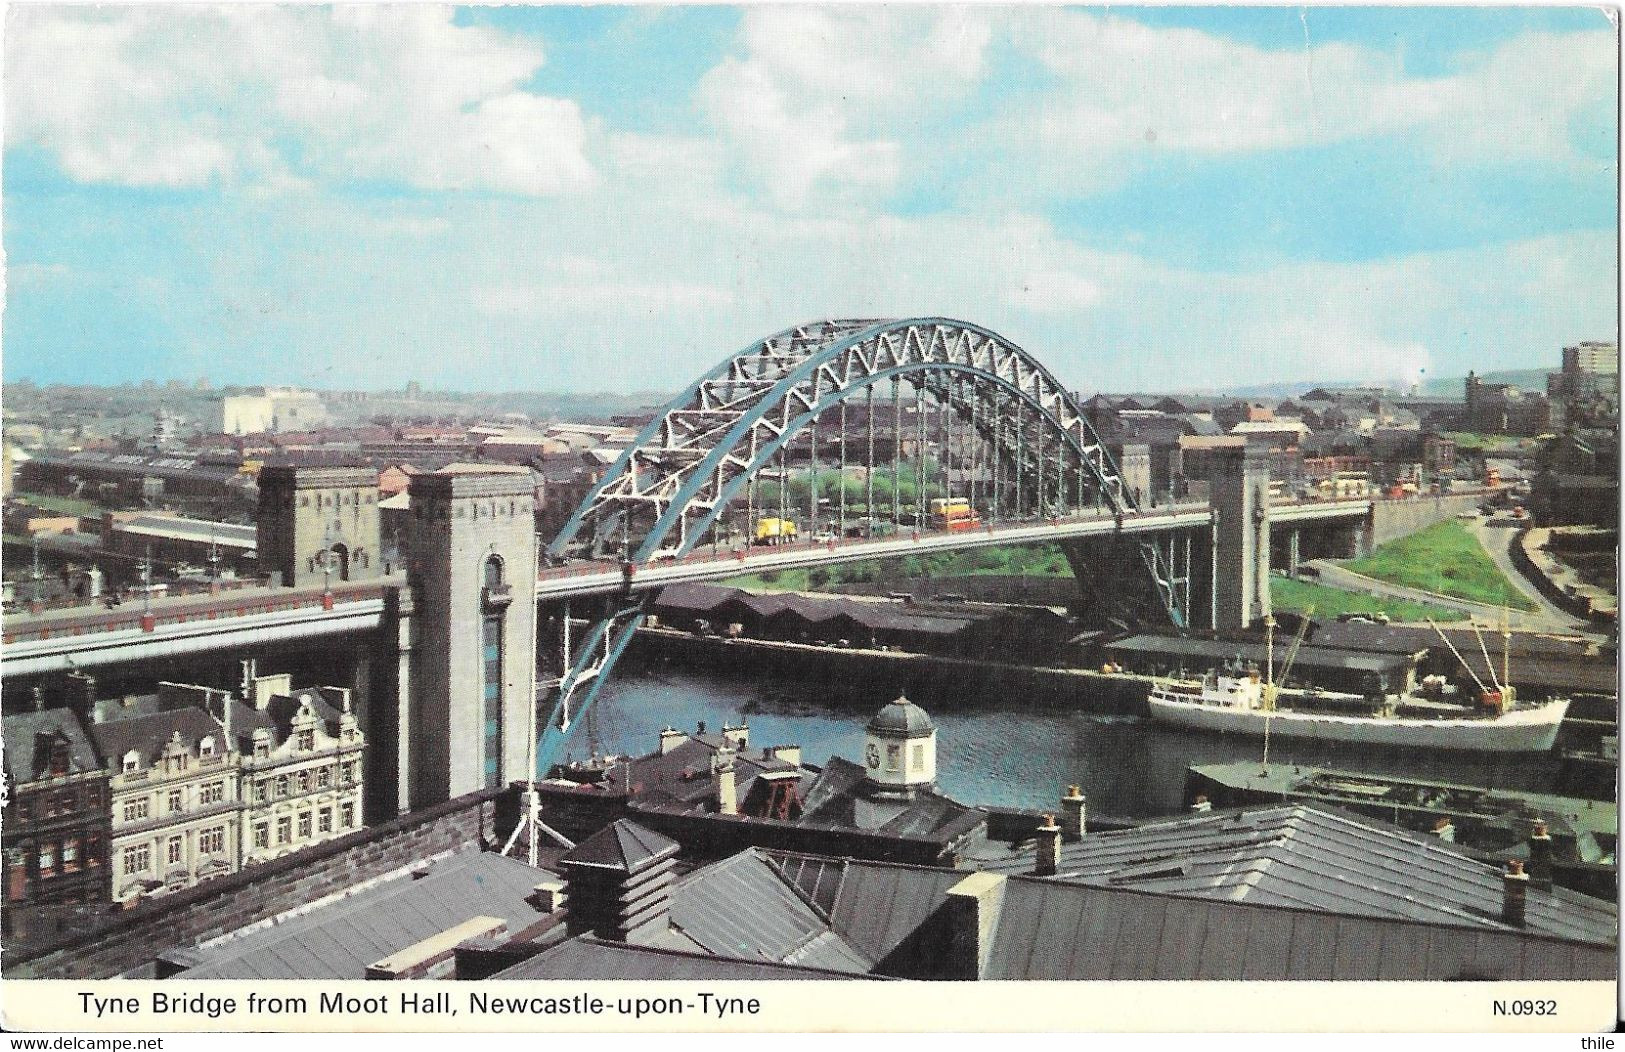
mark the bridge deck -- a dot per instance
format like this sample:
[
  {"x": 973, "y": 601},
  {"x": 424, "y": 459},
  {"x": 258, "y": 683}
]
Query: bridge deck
[{"x": 61, "y": 639}]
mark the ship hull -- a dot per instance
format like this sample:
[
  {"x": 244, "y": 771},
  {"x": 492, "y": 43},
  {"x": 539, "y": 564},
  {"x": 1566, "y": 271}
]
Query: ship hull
[{"x": 1522, "y": 730}]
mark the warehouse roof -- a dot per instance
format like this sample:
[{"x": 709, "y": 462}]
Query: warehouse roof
[
  {"x": 742, "y": 907},
  {"x": 225, "y": 534},
  {"x": 1219, "y": 650}
]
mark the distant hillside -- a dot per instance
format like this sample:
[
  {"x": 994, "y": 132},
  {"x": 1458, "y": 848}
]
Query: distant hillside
[{"x": 1526, "y": 379}]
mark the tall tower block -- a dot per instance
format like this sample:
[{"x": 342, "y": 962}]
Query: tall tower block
[
  {"x": 473, "y": 580},
  {"x": 1241, "y": 537},
  {"x": 311, "y": 518}
]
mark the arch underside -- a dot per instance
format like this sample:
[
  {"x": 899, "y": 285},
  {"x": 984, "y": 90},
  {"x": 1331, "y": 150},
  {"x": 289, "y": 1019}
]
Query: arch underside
[{"x": 669, "y": 488}]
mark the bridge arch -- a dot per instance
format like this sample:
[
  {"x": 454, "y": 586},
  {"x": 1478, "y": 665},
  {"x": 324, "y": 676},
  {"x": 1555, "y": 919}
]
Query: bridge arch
[{"x": 691, "y": 461}]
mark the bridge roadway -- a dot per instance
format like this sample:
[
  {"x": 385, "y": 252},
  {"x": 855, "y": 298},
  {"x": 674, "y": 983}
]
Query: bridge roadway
[{"x": 82, "y": 637}]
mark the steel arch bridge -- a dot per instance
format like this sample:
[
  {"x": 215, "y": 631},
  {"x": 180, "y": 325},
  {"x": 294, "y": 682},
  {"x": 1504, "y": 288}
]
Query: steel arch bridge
[
  {"x": 666, "y": 492},
  {"x": 669, "y": 487}
]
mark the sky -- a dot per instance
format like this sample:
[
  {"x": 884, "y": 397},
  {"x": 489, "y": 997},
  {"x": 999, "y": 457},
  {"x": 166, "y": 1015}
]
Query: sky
[{"x": 616, "y": 198}]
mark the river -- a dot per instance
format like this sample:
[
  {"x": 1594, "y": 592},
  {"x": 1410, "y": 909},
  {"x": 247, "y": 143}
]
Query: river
[{"x": 996, "y": 750}]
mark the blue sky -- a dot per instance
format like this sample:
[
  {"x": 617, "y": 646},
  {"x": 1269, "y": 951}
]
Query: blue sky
[{"x": 612, "y": 198}]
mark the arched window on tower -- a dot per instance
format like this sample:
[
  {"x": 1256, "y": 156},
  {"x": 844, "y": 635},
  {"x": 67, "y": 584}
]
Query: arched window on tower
[{"x": 495, "y": 599}]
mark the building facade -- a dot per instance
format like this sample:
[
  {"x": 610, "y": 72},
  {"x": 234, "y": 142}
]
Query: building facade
[
  {"x": 173, "y": 790},
  {"x": 301, "y": 763},
  {"x": 56, "y": 829}
]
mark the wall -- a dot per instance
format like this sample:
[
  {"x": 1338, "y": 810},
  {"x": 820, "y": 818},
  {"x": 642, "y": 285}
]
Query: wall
[
  {"x": 132, "y": 939},
  {"x": 1392, "y": 519}
]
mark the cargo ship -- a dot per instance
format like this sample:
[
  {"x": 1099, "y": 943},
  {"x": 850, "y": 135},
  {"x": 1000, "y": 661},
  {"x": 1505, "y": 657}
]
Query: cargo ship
[{"x": 1238, "y": 701}]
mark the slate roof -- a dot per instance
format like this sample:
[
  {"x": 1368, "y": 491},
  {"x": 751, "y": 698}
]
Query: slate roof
[
  {"x": 1056, "y": 930},
  {"x": 25, "y": 731},
  {"x": 586, "y": 959},
  {"x": 741, "y": 907},
  {"x": 684, "y": 773},
  {"x": 340, "y": 940},
  {"x": 1317, "y": 858},
  {"x": 147, "y": 735},
  {"x": 623, "y": 846},
  {"x": 835, "y": 800},
  {"x": 1048, "y": 929}
]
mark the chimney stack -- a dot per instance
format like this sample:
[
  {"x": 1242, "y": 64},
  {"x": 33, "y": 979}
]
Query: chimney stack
[
  {"x": 727, "y": 789},
  {"x": 670, "y": 738},
  {"x": 1445, "y": 830},
  {"x": 1514, "y": 893},
  {"x": 1540, "y": 856},
  {"x": 1048, "y": 862},
  {"x": 82, "y": 692},
  {"x": 1200, "y": 805},
  {"x": 1073, "y": 812},
  {"x": 738, "y": 737},
  {"x": 972, "y": 906}
]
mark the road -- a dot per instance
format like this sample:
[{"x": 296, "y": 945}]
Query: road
[{"x": 1495, "y": 541}]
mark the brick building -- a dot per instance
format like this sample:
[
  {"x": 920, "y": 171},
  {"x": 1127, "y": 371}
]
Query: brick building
[{"x": 56, "y": 829}]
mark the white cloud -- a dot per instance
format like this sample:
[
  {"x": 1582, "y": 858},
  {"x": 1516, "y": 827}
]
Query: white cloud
[
  {"x": 1125, "y": 90},
  {"x": 814, "y": 104},
  {"x": 270, "y": 94}
]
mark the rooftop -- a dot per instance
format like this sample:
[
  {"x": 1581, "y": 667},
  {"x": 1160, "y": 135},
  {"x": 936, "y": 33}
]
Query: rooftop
[
  {"x": 1317, "y": 858},
  {"x": 339, "y": 940}
]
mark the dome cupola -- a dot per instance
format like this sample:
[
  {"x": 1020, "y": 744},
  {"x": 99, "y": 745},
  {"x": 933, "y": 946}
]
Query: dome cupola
[{"x": 900, "y": 748}]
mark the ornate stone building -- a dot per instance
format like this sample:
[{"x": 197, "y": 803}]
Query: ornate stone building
[{"x": 173, "y": 789}]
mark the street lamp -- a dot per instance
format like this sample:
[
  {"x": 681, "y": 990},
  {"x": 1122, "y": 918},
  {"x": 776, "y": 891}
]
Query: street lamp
[{"x": 148, "y": 622}]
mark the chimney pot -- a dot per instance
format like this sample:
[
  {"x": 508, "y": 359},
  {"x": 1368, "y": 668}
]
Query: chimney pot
[{"x": 1514, "y": 893}]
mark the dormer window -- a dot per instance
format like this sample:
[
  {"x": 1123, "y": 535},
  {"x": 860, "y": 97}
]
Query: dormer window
[
  {"x": 307, "y": 741},
  {"x": 206, "y": 746},
  {"x": 59, "y": 757},
  {"x": 132, "y": 761}
]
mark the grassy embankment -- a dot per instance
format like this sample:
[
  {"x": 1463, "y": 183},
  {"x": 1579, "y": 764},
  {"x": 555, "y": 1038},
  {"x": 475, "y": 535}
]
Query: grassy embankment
[
  {"x": 1445, "y": 558},
  {"x": 1047, "y": 561},
  {"x": 1298, "y": 596}
]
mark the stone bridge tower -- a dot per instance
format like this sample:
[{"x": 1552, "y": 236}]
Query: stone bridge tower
[
  {"x": 318, "y": 525},
  {"x": 1241, "y": 537},
  {"x": 473, "y": 664}
]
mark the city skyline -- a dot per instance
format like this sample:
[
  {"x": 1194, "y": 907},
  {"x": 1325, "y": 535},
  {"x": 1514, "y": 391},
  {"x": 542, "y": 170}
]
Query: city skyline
[{"x": 530, "y": 198}]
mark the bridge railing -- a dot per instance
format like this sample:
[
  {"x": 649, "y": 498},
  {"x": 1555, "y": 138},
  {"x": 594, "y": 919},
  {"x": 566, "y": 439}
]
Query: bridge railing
[{"x": 269, "y": 601}]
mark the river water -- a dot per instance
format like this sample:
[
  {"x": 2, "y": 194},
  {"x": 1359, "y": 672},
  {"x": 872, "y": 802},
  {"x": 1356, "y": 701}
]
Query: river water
[{"x": 993, "y": 749}]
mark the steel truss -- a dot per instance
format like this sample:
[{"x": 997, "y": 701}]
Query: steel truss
[{"x": 667, "y": 490}]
